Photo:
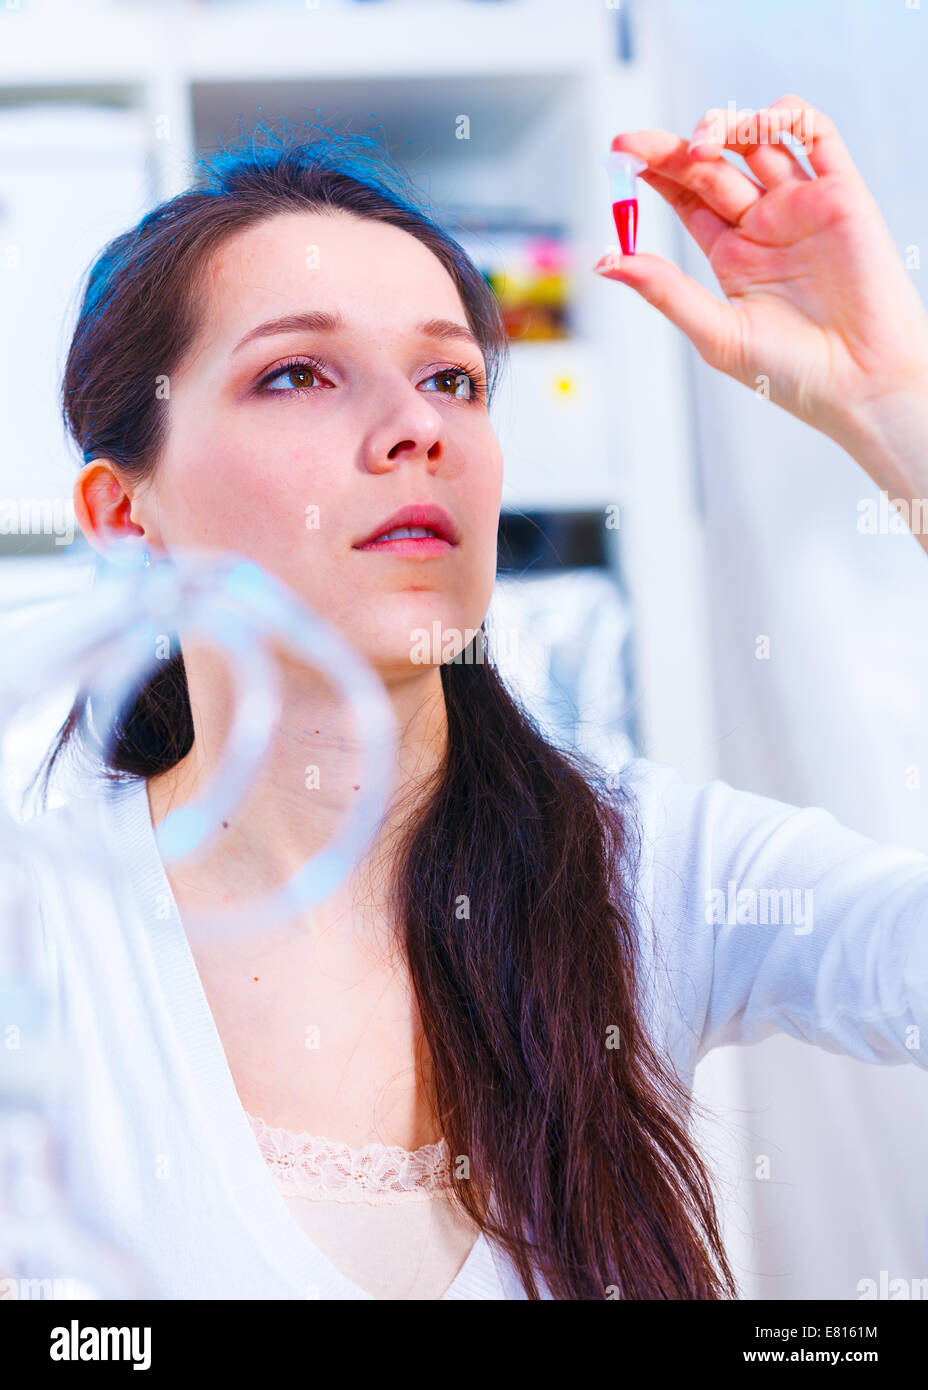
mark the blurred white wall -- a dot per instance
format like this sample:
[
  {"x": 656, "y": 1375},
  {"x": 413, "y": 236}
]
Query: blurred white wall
[{"x": 837, "y": 716}]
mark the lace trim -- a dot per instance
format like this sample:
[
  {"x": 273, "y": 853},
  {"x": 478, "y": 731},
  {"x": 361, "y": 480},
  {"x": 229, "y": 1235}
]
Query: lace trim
[{"x": 308, "y": 1165}]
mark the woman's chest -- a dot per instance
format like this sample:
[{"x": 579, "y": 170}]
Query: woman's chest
[{"x": 322, "y": 1039}]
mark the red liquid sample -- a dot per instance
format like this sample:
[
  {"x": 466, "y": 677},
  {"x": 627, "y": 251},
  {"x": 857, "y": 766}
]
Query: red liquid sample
[{"x": 626, "y": 224}]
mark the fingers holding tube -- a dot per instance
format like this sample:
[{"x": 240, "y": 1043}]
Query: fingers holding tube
[
  {"x": 826, "y": 151},
  {"x": 763, "y": 139},
  {"x": 746, "y": 133},
  {"x": 703, "y": 225},
  {"x": 705, "y": 320},
  {"x": 727, "y": 191}
]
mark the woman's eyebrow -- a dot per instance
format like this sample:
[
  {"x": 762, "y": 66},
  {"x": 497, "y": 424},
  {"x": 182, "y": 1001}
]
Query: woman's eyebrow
[{"x": 321, "y": 321}]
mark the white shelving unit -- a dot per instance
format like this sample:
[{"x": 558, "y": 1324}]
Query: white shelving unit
[{"x": 597, "y": 420}]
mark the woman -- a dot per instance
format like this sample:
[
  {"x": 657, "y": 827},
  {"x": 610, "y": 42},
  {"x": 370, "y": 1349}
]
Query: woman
[{"x": 462, "y": 1103}]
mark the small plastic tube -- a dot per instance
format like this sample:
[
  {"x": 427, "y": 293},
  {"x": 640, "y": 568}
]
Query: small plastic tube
[{"x": 623, "y": 170}]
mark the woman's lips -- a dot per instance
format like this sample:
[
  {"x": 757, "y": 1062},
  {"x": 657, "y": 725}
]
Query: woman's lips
[{"x": 416, "y": 547}]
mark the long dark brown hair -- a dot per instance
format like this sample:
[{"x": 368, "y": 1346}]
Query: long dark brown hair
[{"x": 544, "y": 1074}]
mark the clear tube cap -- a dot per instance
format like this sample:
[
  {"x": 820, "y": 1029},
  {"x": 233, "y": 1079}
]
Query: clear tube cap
[{"x": 623, "y": 169}]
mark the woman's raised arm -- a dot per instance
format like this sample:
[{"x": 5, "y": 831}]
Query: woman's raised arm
[{"x": 819, "y": 310}]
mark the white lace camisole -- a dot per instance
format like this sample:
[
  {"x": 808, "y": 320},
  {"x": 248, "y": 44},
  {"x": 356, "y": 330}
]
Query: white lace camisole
[{"x": 382, "y": 1214}]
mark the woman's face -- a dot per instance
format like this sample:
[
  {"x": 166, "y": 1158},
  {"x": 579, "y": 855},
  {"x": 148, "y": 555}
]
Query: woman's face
[{"x": 292, "y": 446}]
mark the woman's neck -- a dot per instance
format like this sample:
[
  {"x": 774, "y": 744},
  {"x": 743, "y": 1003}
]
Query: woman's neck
[{"x": 302, "y": 792}]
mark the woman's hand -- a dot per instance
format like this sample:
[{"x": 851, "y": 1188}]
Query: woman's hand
[{"x": 819, "y": 310}]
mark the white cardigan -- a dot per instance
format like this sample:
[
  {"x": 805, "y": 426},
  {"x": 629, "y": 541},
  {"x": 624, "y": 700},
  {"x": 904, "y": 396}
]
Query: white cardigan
[{"x": 754, "y": 916}]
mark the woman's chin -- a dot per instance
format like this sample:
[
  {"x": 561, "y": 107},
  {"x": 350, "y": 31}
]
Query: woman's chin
[{"x": 413, "y": 656}]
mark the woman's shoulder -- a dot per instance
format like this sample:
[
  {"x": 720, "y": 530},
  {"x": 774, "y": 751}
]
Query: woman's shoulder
[
  {"x": 668, "y": 801},
  {"x": 702, "y": 839},
  {"x": 72, "y": 811},
  {"x": 699, "y": 837},
  {"x": 59, "y": 839},
  {"x": 671, "y": 801}
]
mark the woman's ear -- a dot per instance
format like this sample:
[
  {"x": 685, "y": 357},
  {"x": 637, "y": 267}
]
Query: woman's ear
[{"x": 103, "y": 507}]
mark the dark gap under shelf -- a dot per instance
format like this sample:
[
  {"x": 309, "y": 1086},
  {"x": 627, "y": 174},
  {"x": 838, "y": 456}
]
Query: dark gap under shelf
[{"x": 534, "y": 541}]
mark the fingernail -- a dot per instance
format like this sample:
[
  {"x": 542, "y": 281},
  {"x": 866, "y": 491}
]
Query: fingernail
[
  {"x": 699, "y": 141},
  {"x": 610, "y": 259},
  {"x": 698, "y": 136}
]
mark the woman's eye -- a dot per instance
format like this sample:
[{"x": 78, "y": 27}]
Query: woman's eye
[
  {"x": 458, "y": 378},
  {"x": 295, "y": 377},
  {"x": 299, "y": 376}
]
